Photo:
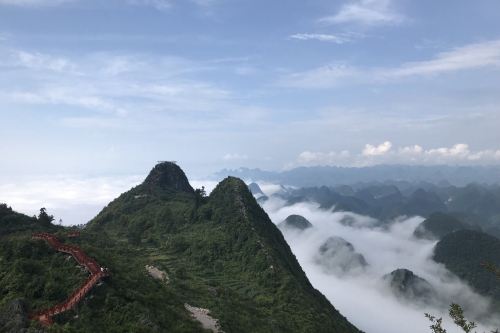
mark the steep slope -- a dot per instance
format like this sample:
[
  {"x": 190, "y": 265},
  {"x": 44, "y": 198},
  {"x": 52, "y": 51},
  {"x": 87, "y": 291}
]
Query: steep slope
[
  {"x": 463, "y": 252},
  {"x": 33, "y": 276},
  {"x": 221, "y": 253},
  {"x": 255, "y": 189}
]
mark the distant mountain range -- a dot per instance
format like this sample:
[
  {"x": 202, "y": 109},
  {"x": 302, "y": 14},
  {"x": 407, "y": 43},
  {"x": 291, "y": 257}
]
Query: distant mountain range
[
  {"x": 333, "y": 176},
  {"x": 476, "y": 206}
]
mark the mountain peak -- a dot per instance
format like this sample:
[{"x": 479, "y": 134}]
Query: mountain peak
[
  {"x": 297, "y": 222},
  {"x": 168, "y": 175},
  {"x": 255, "y": 189},
  {"x": 233, "y": 185},
  {"x": 405, "y": 283}
]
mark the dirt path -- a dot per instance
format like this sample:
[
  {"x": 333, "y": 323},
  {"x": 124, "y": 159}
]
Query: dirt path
[
  {"x": 203, "y": 316},
  {"x": 157, "y": 273}
]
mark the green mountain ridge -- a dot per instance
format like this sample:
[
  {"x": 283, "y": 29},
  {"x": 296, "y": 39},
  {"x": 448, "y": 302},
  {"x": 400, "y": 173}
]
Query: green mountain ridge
[
  {"x": 464, "y": 252},
  {"x": 220, "y": 252},
  {"x": 438, "y": 225}
]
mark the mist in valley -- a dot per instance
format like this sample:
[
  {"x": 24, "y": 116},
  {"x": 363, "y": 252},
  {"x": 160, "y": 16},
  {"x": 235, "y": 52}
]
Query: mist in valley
[{"x": 360, "y": 293}]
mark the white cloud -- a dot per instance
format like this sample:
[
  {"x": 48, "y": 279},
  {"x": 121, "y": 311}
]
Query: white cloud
[
  {"x": 379, "y": 150},
  {"x": 33, "y": 3},
  {"x": 234, "y": 157},
  {"x": 337, "y": 38},
  {"x": 459, "y": 153},
  {"x": 73, "y": 199},
  {"x": 460, "y": 150},
  {"x": 308, "y": 157},
  {"x": 365, "y": 12},
  {"x": 411, "y": 150},
  {"x": 468, "y": 57}
]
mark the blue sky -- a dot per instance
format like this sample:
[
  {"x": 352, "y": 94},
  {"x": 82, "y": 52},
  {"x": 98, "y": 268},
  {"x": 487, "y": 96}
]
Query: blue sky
[{"x": 110, "y": 87}]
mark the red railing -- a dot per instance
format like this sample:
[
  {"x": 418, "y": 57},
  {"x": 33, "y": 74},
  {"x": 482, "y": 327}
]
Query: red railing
[{"x": 96, "y": 274}]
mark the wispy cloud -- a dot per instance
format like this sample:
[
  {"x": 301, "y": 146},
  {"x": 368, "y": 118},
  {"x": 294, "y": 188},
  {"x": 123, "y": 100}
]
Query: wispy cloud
[
  {"x": 205, "y": 3},
  {"x": 157, "y": 4},
  {"x": 165, "y": 5},
  {"x": 34, "y": 3},
  {"x": 234, "y": 157},
  {"x": 365, "y": 12},
  {"x": 39, "y": 61},
  {"x": 468, "y": 57},
  {"x": 322, "y": 77},
  {"x": 340, "y": 38},
  {"x": 110, "y": 83}
]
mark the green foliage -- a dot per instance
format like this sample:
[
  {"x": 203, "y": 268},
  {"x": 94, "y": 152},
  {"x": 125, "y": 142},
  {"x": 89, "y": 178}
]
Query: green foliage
[
  {"x": 437, "y": 324},
  {"x": 463, "y": 252},
  {"x": 44, "y": 218},
  {"x": 11, "y": 222},
  {"x": 457, "y": 314},
  {"x": 220, "y": 252},
  {"x": 438, "y": 225}
]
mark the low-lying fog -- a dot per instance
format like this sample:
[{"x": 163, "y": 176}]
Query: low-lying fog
[{"x": 361, "y": 295}]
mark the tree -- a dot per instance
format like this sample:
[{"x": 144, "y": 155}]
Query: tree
[
  {"x": 201, "y": 195},
  {"x": 44, "y": 218}
]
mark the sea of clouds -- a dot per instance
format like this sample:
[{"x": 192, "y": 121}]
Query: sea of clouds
[{"x": 364, "y": 298}]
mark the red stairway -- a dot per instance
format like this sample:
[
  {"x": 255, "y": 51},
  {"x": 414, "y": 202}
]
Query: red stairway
[{"x": 96, "y": 274}]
